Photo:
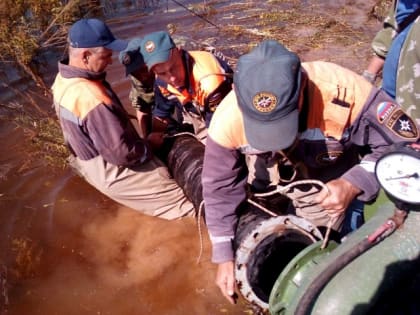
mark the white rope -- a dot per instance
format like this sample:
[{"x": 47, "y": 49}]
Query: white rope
[
  {"x": 303, "y": 231},
  {"x": 200, "y": 208},
  {"x": 200, "y": 233},
  {"x": 283, "y": 191},
  {"x": 252, "y": 202},
  {"x": 327, "y": 234},
  {"x": 279, "y": 189}
]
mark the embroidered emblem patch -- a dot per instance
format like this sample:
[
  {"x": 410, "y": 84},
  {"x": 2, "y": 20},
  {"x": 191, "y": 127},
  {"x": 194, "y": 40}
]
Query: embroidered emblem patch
[
  {"x": 328, "y": 157},
  {"x": 264, "y": 102},
  {"x": 383, "y": 110},
  {"x": 402, "y": 125},
  {"x": 149, "y": 46}
]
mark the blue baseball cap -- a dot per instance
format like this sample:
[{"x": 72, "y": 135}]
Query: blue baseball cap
[
  {"x": 131, "y": 57},
  {"x": 156, "y": 48},
  {"x": 267, "y": 84},
  {"x": 88, "y": 33}
]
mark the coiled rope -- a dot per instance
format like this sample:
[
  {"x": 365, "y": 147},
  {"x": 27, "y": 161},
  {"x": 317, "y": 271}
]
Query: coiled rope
[{"x": 284, "y": 190}]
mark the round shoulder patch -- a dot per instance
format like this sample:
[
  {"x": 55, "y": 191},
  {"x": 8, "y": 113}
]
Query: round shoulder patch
[
  {"x": 149, "y": 46},
  {"x": 264, "y": 102}
]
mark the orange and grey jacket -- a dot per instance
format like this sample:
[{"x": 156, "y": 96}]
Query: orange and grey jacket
[
  {"x": 209, "y": 79},
  {"x": 342, "y": 115},
  {"x": 93, "y": 120}
]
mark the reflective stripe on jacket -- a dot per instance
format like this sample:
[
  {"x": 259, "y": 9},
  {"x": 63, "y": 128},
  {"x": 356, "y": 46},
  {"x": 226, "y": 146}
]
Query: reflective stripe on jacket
[{"x": 93, "y": 120}]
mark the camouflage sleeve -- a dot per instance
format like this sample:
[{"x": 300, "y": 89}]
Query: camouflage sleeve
[
  {"x": 142, "y": 97},
  {"x": 383, "y": 39}
]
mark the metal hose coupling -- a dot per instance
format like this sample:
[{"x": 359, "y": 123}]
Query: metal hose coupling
[
  {"x": 399, "y": 217},
  {"x": 388, "y": 227}
]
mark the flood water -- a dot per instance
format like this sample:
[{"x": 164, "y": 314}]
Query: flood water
[{"x": 67, "y": 249}]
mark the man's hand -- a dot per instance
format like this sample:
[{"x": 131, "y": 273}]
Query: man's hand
[
  {"x": 155, "y": 140},
  {"x": 225, "y": 280},
  {"x": 145, "y": 123},
  {"x": 338, "y": 197}
]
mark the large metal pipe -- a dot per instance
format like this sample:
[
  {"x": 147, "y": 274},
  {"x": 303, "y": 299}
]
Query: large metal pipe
[
  {"x": 264, "y": 246},
  {"x": 184, "y": 157}
]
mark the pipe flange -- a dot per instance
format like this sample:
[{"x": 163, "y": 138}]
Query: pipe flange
[{"x": 275, "y": 226}]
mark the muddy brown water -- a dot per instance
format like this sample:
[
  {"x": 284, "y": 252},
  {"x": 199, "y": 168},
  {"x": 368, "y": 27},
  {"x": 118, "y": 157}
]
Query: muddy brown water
[{"x": 67, "y": 249}]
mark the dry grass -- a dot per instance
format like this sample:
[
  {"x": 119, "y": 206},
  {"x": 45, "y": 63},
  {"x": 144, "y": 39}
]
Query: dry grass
[
  {"x": 27, "y": 28},
  {"x": 298, "y": 25}
]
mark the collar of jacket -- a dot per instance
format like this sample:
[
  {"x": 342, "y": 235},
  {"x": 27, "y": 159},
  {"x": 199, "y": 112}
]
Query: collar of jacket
[{"x": 69, "y": 72}]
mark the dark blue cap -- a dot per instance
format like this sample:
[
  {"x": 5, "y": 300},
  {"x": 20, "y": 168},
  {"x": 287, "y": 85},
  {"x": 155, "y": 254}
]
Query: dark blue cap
[
  {"x": 88, "y": 33},
  {"x": 131, "y": 57},
  {"x": 267, "y": 84}
]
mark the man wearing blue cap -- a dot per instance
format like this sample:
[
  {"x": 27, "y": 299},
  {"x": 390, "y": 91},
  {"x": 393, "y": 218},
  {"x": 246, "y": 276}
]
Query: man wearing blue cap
[
  {"x": 326, "y": 121},
  {"x": 197, "y": 80},
  {"x": 142, "y": 96},
  {"x": 105, "y": 147},
  {"x": 143, "y": 92}
]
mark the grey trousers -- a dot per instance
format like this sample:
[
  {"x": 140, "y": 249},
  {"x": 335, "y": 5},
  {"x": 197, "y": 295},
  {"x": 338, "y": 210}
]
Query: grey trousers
[{"x": 147, "y": 188}]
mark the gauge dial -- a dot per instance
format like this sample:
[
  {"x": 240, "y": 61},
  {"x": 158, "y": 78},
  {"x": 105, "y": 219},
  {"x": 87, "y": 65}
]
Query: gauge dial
[{"x": 399, "y": 175}]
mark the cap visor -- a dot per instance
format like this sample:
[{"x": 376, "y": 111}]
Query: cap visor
[
  {"x": 135, "y": 65},
  {"x": 158, "y": 58},
  {"x": 117, "y": 45},
  {"x": 272, "y": 135}
]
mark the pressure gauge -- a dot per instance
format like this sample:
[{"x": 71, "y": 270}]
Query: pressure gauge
[{"x": 398, "y": 172}]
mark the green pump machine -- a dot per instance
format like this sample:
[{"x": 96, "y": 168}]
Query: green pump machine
[{"x": 284, "y": 266}]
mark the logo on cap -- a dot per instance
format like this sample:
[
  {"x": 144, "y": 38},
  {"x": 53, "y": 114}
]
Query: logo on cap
[
  {"x": 149, "y": 46},
  {"x": 264, "y": 102},
  {"x": 126, "y": 60}
]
